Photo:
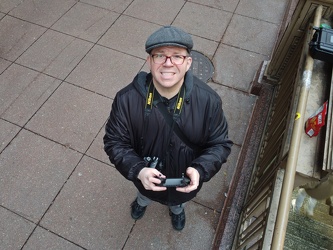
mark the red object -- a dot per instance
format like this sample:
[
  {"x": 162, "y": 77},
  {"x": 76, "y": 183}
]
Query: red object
[{"x": 316, "y": 121}]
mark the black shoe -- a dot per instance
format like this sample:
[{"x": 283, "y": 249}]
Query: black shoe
[
  {"x": 178, "y": 220},
  {"x": 137, "y": 210}
]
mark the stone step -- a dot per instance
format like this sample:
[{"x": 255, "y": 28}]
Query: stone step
[
  {"x": 293, "y": 242},
  {"x": 306, "y": 232},
  {"x": 311, "y": 232},
  {"x": 312, "y": 223},
  {"x": 321, "y": 213}
]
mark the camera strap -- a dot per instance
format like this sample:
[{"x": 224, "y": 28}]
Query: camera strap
[{"x": 170, "y": 118}]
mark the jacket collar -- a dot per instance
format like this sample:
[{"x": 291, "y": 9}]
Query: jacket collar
[{"x": 141, "y": 82}]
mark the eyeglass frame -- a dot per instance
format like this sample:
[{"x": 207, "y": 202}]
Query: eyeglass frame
[{"x": 169, "y": 57}]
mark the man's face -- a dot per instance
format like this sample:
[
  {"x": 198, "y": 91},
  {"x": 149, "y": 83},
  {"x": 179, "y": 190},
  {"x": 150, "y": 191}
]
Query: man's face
[{"x": 169, "y": 76}]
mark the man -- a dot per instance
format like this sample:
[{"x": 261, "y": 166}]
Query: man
[{"x": 141, "y": 137}]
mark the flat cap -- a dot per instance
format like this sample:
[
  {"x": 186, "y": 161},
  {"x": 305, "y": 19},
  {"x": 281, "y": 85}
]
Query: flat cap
[{"x": 169, "y": 36}]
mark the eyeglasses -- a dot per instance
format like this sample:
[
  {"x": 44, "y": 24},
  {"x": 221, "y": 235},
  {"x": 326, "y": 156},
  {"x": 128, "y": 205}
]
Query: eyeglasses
[{"x": 176, "y": 59}]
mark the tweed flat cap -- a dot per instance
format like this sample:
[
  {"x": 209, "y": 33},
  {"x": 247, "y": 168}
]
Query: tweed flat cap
[{"x": 169, "y": 36}]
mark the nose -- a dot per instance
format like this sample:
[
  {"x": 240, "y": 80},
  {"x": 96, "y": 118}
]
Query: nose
[{"x": 168, "y": 61}]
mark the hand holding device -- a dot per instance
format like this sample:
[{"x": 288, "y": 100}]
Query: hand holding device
[{"x": 174, "y": 182}]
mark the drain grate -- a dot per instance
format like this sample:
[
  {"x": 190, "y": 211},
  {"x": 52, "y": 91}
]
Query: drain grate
[{"x": 201, "y": 66}]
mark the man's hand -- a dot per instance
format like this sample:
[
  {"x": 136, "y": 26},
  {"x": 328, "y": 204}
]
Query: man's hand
[
  {"x": 149, "y": 179},
  {"x": 194, "y": 176}
]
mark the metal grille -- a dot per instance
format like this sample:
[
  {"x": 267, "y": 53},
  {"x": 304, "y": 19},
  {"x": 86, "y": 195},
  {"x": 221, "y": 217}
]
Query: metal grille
[
  {"x": 201, "y": 66},
  {"x": 271, "y": 157},
  {"x": 254, "y": 220}
]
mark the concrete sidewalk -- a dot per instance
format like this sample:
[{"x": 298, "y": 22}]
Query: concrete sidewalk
[{"x": 61, "y": 64}]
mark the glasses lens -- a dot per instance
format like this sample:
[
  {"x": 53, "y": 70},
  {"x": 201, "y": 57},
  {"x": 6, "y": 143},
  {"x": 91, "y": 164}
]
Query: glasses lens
[
  {"x": 178, "y": 59},
  {"x": 160, "y": 59}
]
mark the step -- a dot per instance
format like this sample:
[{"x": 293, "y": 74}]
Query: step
[
  {"x": 320, "y": 213},
  {"x": 311, "y": 223},
  {"x": 306, "y": 232},
  {"x": 319, "y": 238},
  {"x": 293, "y": 242}
]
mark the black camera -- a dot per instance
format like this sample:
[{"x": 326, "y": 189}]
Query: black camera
[{"x": 153, "y": 162}]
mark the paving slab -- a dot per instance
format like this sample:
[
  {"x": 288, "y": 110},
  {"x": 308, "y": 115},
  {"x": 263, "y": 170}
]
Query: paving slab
[
  {"x": 14, "y": 229},
  {"x": 8, "y": 5},
  {"x": 96, "y": 149},
  {"x": 205, "y": 46},
  {"x": 93, "y": 209},
  {"x": 42, "y": 12},
  {"x": 4, "y": 64},
  {"x": 44, "y": 239},
  {"x": 237, "y": 107},
  {"x": 7, "y": 132},
  {"x": 72, "y": 116},
  {"x": 130, "y": 38},
  {"x": 105, "y": 71},
  {"x": 55, "y": 54},
  {"x": 24, "y": 91},
  {"x": 33, "y": 169},
  {"x": 193, "y": 19},
  {"x": 227, "y": 5},
  {"x": 213, "y": 193},
  {"x": 235, "y": 67},
  {"x": 114, "y": 5},
  {"x": 19, "y": 36},
  {"x": 166, "y": 11},
  {"x": 154, "y": 230},
  {"x": 262, "y": 9},
  {"x": 251, "y": 34},
  {"x": 86, "y": 22}
]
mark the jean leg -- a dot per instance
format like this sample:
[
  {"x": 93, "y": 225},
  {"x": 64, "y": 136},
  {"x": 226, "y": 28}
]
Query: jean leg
[
  {"x": 142, "y": 200},
  {"x": 177, "y": 209}
]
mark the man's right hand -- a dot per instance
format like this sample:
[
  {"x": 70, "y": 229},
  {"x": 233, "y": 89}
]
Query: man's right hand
[{"x": 149, "y": 177}]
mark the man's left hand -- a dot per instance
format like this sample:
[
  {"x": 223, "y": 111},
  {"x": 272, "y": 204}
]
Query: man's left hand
[{"x": 194, "y": 176}]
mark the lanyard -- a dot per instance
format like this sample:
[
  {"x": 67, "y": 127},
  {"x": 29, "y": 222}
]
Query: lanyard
[
  {"x": 150, "y": 100},
  {"x": 170, "y": 119}
]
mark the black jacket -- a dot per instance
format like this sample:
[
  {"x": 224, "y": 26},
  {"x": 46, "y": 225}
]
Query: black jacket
[{"x": 130, "y": 135}]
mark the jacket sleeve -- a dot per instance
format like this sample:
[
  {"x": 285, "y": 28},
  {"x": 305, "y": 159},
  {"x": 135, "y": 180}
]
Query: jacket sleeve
[
  {"x": 217, "y": 147},
  {"x": 118, "y": 144}
]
